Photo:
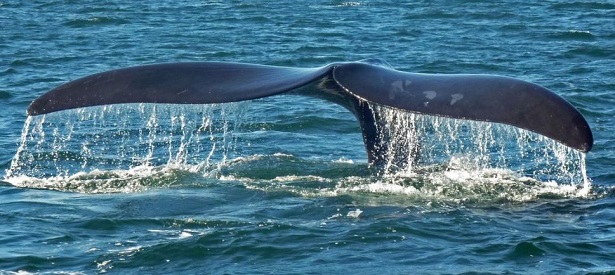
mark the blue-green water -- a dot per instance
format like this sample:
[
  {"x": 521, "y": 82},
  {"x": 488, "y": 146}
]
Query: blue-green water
[{"x": 281, "y": 185}]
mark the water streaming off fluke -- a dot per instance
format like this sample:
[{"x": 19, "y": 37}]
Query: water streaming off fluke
[{"x": 126, "y": 148}]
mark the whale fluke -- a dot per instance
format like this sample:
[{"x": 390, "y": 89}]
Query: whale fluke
[
  {"x": 179, "y": 83},
  {"x": 353, "y": 85}
]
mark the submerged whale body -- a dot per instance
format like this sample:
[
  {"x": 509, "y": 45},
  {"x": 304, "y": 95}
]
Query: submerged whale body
[{"x": 354, "y": 85}]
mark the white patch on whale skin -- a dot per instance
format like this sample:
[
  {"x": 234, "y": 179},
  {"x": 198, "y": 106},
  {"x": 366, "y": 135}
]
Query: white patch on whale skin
[
  {"x": 396, "y": 87},
  {"x": 399, "y": 86},
  {"x": 455, "y": 98},
  {"x": 430, "y": 94}
]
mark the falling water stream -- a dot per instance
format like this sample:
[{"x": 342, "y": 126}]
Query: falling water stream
[{"x": 128, "y": 148}]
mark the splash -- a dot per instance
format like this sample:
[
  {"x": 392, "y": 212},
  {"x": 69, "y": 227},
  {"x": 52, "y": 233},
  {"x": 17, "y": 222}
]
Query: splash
[
  {"x": 419, "y": 140},
  {"x": 476, "y": 154},
  {"x": 444, "y": 160},
  {"x": 124, "y": 147},
  {"x": 127, "y": 148}
]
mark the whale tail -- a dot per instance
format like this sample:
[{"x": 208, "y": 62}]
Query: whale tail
[{"x": 353, "y": 85}]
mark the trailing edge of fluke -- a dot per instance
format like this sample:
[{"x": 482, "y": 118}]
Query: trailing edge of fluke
[{"x": 353, "y": 85}]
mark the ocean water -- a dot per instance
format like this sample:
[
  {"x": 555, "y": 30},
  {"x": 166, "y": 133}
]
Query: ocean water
[{"x": 281, "y": 185}]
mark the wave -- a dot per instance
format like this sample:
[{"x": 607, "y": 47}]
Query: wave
[{"x": 95, "y": 21}]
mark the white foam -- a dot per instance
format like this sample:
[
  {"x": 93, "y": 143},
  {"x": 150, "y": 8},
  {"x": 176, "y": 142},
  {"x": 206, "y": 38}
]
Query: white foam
[{"x": 354, "y": 213}]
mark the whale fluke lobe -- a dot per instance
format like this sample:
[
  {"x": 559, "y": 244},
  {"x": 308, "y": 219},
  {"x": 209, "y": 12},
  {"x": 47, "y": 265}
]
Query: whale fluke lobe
[
  {"x": 179, "y": 83},
  {"x": 488, "y": 98},
  {"x": 353, "y": 85}
]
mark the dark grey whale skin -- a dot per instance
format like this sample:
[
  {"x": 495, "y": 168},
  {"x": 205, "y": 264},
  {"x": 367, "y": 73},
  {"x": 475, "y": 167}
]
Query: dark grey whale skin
[{"x": 354, "y": 85}]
